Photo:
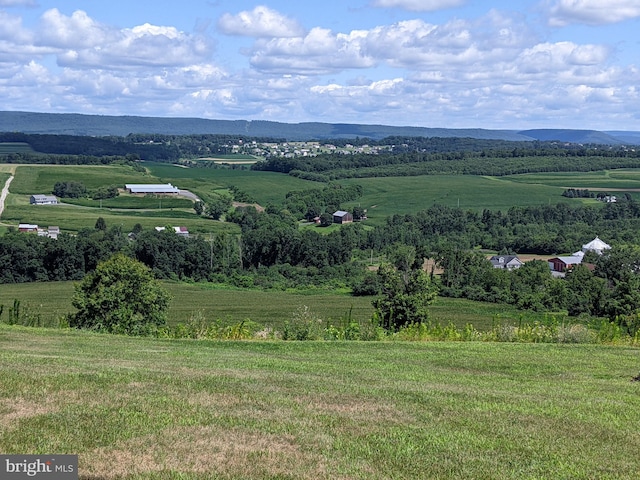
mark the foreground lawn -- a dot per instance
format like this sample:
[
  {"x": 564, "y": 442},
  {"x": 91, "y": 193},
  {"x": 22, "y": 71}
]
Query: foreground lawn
[{"x": 160, "y": 409}]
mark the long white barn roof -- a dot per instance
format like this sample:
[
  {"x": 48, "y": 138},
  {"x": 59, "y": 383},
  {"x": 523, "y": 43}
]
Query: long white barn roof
[{"x": 151, "y": 188}]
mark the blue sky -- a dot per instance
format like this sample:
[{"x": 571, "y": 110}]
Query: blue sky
[{"x": 433, "y": 63}]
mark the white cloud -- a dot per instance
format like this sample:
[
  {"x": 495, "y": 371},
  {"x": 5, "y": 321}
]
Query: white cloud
[
  {"x": 77, "y": 31},
  {"x": 592, "y": 12},
  {"x": 11, "y": 29},
  {"x": 17, "y": 3},
  {"x": 261, "y": 22},
  {"x": 412, "y": 44},
  {"x": 419, "y": 5},
  {"x": 320, "y": 51},
  {"x": 84, "y": 43}
]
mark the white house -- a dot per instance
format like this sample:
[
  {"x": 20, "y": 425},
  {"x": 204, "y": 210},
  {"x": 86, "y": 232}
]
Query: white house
[{"x": 507, "y": 262}]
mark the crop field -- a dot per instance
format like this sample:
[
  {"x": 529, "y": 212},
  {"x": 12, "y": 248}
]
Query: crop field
[
  {"x": 624, "y": 179},
  {"x": 42, "y": 178},
  {"x": 14, "y": 147},
  {"x": 136, "y": 408},
  {"x": 53, "y": 299},
  {"x": 390, "y": 195}
]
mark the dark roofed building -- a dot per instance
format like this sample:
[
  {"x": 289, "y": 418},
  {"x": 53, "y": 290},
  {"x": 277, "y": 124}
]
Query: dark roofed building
[{"x": 342, "y": 217}]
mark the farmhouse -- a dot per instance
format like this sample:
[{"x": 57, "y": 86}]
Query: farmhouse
[
  {"x": 43, "y": 200},
  {"x": 150, "y": 188},
  {"x": 506, "y": 262},
  {"x": 342, "y": 217}
]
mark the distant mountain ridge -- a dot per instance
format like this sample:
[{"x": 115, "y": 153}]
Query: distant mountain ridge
[{"x": 103, "y": 125}]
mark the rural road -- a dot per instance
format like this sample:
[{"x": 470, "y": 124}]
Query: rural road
[{"x": 3, "y": 195}]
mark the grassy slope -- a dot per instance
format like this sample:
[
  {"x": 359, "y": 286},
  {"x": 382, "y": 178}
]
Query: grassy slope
[
  {"x": 52, "y": 300},
  {"x": 143, "y": 408},
  {"x": 265, "y": 187}
]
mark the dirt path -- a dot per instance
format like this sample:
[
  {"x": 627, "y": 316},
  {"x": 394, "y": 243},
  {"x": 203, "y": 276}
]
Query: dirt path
[{"x": 5, "y": 192}]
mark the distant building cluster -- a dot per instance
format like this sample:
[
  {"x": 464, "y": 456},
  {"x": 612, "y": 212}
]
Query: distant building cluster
[
  {"x": 51, "y": 232},
  {"x": 558, "y": 265}
]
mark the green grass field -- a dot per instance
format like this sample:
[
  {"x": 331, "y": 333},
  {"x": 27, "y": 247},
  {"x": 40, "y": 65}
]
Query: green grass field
[
  {"x": 74, "y": 218},
  {"x": 134, "y": 202},
  {"x": 14, "y": 147},
  {"x": 30, "y": 179},
  {"x": 145, "y": 409},
  {"x": 265, "y": 187},
  {"x": 270, "y": 308}
]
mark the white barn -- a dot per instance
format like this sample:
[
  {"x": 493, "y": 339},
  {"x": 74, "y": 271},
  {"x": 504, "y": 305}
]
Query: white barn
[
  {"x": 146, "y": 188},
  {"x": 43, "y": 200}
]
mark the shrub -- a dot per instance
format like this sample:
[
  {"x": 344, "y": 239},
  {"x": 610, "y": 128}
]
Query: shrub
[{"x": 120, "y": 296}]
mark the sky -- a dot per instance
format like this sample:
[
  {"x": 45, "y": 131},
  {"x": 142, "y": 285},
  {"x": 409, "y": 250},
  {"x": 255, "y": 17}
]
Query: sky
[{"x": 497, "y": 64}]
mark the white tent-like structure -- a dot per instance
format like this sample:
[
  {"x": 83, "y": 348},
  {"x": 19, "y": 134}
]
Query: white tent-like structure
[{"x": 596, "y": 245}]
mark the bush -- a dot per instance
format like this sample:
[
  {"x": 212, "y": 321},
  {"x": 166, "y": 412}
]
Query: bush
[{"x": 120, "y": 296}]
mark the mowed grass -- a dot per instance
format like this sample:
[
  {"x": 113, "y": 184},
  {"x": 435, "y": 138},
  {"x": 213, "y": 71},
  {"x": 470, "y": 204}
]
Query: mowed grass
[
  {"x": 136, "y": 408},
  {"x": 75, "y": 218},
  {"x": 134, "y": 202},
  {"x": 270, "y": 308}
]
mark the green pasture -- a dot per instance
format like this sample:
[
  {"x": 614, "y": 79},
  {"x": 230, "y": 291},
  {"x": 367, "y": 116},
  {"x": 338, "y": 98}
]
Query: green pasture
[
  {"x": 125, "y": 201},
  {"x": 14, "y": 147},
  {"x": 74, "y": 218},
  {"x": 40, "y": 179},
  {"x": 265, "y": 187},
  {"x": 270, "y": 308},
  {"x": 142, "y": 409}
]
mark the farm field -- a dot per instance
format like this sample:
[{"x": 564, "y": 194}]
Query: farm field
[
  {"x": 623, "y": 179},
  {"x": 139, "y": 408},
  {"x": 272, "y": 308},
  {"x": 30, "y": 179},
  {"x": 75, "y": 218},
  {"x": 14, "y": 147},
  {"x": 125, "y": 211},
  {"x": 387, "y": 196},
  {"x": 265, "y": 187}
]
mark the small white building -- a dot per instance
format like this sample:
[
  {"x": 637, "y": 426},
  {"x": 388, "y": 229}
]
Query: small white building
[
  {"x": 182, "y": 231},
  {"x": 43, "y": 200},
  {"x": 596, "y": 245}
]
